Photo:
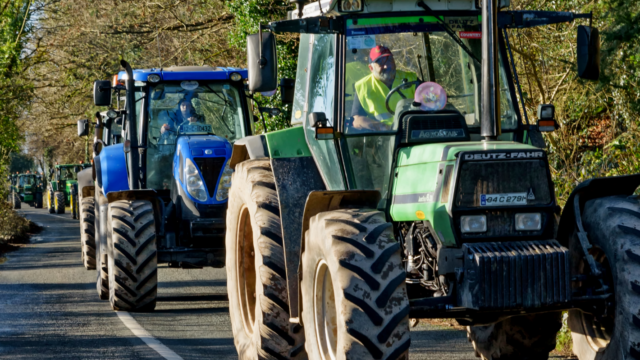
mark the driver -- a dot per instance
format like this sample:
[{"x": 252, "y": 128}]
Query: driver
[{"x": 369, "y": 110}]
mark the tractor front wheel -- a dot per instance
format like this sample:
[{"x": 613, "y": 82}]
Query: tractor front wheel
[
  {"x": 59, "y": 202},
  {"x": 613, "y": 227},
  {"x": 256, "y": 276},
  {"x": 87, "y": 233},
  {"x": 102, "y": 258},
  {"x": 526, "y": 337},
  {"x": 133, "y": 262},
  {"x": 354, "y": 297},
  {"x": 17, "y": 204}
]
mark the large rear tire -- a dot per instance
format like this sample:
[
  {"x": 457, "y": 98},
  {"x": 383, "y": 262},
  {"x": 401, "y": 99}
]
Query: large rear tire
[
  {"x": 527, "y": 337},
  {"x": 613, "y": 227},
  {"x": 354, "y": 297},
  {"x": 87, "y": 233},
  {"x": 133, "y": 263},
  {"x": 256, "y": 284},
  {"x": 102, "y": 258},
  {"x": 59, "y": 202}
]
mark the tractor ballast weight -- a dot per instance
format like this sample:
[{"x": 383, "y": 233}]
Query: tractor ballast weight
[
  {"x": 441, "y": 203},
  {"x": 161, "y": 193}
]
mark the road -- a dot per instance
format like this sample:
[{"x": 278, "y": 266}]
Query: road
[{"x": 49, "y": 309}]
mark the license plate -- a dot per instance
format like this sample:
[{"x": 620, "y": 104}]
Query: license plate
[{"x": 503, "y": 199}]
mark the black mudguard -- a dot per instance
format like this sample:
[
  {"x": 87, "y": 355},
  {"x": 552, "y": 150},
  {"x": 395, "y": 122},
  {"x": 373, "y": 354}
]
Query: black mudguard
[{"x": 592, "y": 189}]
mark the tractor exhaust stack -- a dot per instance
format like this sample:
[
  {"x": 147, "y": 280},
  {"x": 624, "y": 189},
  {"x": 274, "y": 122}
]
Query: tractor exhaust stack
[{"x": 490, "y": 124}]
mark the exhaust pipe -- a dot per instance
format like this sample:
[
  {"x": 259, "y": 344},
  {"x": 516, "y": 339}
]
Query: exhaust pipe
[
  {"x": 133, "y": 156},
  {"x": 490, "y": 126}
]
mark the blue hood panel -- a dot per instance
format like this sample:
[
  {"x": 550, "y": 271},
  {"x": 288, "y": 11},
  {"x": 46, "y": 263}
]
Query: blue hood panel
[{"x": 207, "y": 141}]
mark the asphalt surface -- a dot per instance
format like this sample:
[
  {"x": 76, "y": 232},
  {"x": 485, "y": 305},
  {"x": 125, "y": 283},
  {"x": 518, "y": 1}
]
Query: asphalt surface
[{"x": 49, "y": 309}]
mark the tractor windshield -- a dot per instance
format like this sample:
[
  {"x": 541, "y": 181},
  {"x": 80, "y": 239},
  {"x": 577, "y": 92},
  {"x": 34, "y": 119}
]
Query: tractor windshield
[
  {"x": 384, "y": 53},
  {"x": 188, "y": 108},
  {"x": 67, "y": 173}
]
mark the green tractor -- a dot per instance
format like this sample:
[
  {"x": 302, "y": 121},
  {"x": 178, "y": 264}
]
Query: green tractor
[
  {"x": 62, "y": 189},
  {"x": 26, "y": 188},
  {"x": 414, "y": 187}
]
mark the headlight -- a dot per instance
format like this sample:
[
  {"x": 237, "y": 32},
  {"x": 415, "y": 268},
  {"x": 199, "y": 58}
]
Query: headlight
[
  {"x": 528, "y": 222},
  {"x": 473, "y": 224},
  {"x": 154, "y": 78},
  {"x": 224, "y": 184},
  {"x": 235, "y": 76},
  {"x": 195, "y": 185}
]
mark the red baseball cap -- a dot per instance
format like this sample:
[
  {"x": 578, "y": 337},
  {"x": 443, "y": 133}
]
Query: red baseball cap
[{"x": 378, "y": 52}]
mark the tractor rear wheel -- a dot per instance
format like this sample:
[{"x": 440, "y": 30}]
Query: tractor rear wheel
[
  {"x": 613, "y": 227},
  {"x": 59, "y": 202},
  {"x": 526, "y": 337},
  {"x": 38, "y": 203},
  {"x": 256, "y": 283},
  {"x": 87, "y": 233},
  {"x": 17, "y": 204},
  {"x": 50, "y": 202},
  {"x": 354, "y": 297},
  {"x": 133, "y": 262},
  {"x": 102, "y": 258}
]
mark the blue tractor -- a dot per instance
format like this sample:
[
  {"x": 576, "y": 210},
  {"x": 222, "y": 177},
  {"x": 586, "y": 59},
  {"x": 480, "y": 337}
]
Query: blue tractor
[{"x": 161, "y": 194}]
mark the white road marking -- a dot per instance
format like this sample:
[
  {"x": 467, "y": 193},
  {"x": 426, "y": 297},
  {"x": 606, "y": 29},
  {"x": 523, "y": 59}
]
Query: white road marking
[{"x": 144, "y": 335}]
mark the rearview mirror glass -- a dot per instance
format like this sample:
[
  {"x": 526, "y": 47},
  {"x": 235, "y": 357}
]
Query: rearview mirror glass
[
  {"x": 588, "y": 53},
  {"x": 83, "y": 127},
  {"x": 102, "y": 93},
  {"x": 262, "y": 62}
]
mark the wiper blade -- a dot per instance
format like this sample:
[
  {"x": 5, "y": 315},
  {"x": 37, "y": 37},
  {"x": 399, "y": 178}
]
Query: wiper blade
[{"x": 448, "y": 30}]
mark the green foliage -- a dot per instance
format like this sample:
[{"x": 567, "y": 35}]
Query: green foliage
[
  {"x": 248, "y": 16},
  {"x": 21, "y": 162}
]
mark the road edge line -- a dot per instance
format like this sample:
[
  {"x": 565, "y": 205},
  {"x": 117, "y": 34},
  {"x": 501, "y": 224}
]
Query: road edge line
[{"x": 145, "y": 336}]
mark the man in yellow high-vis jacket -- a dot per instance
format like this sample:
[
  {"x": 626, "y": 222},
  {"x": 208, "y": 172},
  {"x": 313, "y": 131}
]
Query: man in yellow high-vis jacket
[{"x": 369, "y": 111}]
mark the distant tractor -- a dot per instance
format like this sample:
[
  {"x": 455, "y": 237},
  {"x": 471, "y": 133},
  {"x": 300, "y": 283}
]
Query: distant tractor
[
  {"x": 26, "y": 188},
  {"x": 161, "y": 194},
  {"x": 61, "y": 191},
  {"x": 414, "y": 187}
]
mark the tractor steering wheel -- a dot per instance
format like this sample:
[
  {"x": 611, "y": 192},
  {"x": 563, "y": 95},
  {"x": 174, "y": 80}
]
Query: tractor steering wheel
[{"x": 396, "y": 89}]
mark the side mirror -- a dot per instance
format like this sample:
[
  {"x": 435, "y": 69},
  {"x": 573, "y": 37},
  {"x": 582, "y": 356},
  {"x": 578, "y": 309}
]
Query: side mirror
[
  {"x": 262, "y": 62},
  {"x": 83, "y": 127},
  {"x": 547, "y": 118},
  {"x": 319, "y": 121},
  {"x": 102, "y": 93},
  {"x": 287, "y": 89},
  {"x": 588, "y": 53}
]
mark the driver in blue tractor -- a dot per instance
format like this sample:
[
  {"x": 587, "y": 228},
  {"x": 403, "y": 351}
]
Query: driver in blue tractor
[{"x": 369, "y": 110}]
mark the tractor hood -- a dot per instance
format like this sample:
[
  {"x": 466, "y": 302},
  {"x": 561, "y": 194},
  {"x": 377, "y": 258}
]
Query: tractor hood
[
  {"x": 430, "y": 153},
  {"x": 207, "y": 142}
]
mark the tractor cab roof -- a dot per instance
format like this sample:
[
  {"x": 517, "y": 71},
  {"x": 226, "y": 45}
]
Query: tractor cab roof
[
  {"x": 180, "y": 73},
  {"x": 348, "y": 7}
]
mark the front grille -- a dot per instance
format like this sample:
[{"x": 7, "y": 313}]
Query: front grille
[
  {"x": 210, "y": 169},
  {"x": 514, "y": 275},
  {"x": 502, "y": 177}
]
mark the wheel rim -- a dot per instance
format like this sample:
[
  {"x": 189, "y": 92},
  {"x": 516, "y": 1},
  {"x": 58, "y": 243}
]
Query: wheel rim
[
  {"x": 326, "y": 321},
  {"x": 246, "y": 271},
  {"x": 599, "y": 331}
]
